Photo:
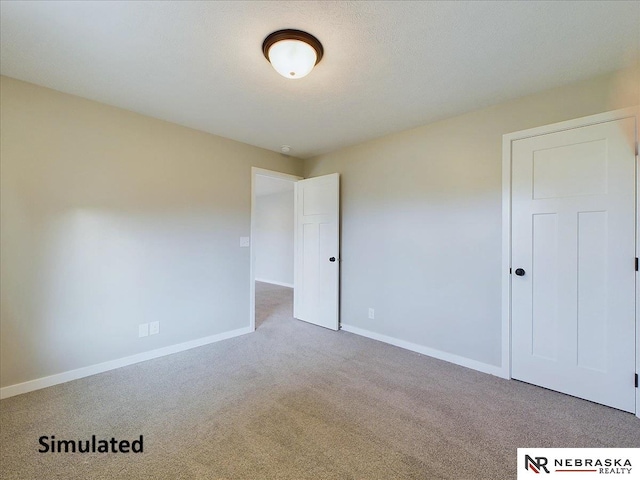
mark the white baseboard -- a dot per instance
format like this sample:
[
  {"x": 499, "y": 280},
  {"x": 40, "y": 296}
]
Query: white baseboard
[
  {"x": 273, "y": 282},
  {"x": 431, "y": 352},
  {"x": 63, "y": 377}
]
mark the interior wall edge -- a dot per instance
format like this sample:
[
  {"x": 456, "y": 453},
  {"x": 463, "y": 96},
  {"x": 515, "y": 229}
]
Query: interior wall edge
[
  {"x": 274, "y": 282},
  {"x": 429, "y": 352},
  {"x": 56, "y": 379}
]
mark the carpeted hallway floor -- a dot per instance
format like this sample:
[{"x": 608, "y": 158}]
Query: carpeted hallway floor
[{"x": 295, "y": 401}]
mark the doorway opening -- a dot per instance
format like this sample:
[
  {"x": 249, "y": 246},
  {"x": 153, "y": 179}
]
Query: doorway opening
[{"x": 272, "y": 244}]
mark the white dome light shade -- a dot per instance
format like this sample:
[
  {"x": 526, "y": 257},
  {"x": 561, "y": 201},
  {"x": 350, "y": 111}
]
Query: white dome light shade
[
  {"x": 292, "y": 58},
  {"x": 293, "y": 53}
]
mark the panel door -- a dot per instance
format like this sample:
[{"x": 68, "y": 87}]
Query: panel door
[
  {"x": 573, "y": 237},
  {"x": 316, "y": 262}
]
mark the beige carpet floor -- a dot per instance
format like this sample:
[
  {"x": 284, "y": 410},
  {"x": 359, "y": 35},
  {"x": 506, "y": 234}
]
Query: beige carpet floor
[{"x": 295, "y": 401}]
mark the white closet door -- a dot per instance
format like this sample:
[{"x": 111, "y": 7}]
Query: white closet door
[{"x": 573, "y": 258}]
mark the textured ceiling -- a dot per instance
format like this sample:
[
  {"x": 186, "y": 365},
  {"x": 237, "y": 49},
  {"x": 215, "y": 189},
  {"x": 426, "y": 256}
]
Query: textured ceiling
[{"x": 388, "y": 66}]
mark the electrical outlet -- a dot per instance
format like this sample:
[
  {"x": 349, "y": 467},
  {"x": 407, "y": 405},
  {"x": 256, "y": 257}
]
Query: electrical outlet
[
  {"x": 372, "y": 313},
  {"x": 143, "y": 330},
  {"x": 154, "y": 328}
]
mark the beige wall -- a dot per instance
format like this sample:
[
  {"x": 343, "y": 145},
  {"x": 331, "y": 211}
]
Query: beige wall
[
  {"x": 421, "y": 219},
  {"x": 110, "y": 219}
]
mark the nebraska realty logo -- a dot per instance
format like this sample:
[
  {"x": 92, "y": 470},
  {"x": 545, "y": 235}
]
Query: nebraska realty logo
[{"x": 586, "y": 462}]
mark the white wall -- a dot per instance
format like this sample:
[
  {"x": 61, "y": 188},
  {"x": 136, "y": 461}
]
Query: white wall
[
  {"x": 421, "y": 220},
  {"x": 273, "y": 236},
  {"x": 110, "y": 219}
]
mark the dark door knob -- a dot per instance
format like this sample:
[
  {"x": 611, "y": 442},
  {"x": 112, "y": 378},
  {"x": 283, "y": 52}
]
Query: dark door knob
[
  {"x": 520, "y": 272},
  {"x": 332, "y": 259}
]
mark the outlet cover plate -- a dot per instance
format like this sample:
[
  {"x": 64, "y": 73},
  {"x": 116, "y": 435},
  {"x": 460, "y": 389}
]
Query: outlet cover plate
[
  {"x": 154, "y": 328},
  {"x": 143, "y": 330}
]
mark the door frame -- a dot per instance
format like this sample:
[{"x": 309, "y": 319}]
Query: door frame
[
  {"x": 507, "y": 140},
  {"x": 255, "y": 172}
]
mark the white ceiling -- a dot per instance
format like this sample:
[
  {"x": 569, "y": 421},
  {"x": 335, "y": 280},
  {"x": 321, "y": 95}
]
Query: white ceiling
[{"x": 388, "y": 66}]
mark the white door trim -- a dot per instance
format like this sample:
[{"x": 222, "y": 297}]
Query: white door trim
[
  {"x": 255, "y": 172},
  {"x": 507, "y": 139}
]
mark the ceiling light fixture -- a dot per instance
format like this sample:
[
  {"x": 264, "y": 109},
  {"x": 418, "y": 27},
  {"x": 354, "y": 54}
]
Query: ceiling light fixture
[{"x": 293, "y": 53}]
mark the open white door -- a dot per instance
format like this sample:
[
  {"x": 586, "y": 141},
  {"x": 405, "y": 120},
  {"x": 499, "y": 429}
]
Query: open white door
[{"x": 317, "y": 248}]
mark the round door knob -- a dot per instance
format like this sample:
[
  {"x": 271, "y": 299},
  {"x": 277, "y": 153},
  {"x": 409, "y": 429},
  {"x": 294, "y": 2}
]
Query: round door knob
[
  {"x": 332, "y": 259},
  {"x": 520, "y": 272}
]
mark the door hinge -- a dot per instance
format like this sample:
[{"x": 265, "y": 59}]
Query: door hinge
[
  {"x": 636, "y": 264},
  {"x": 636, "y": 380}
]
